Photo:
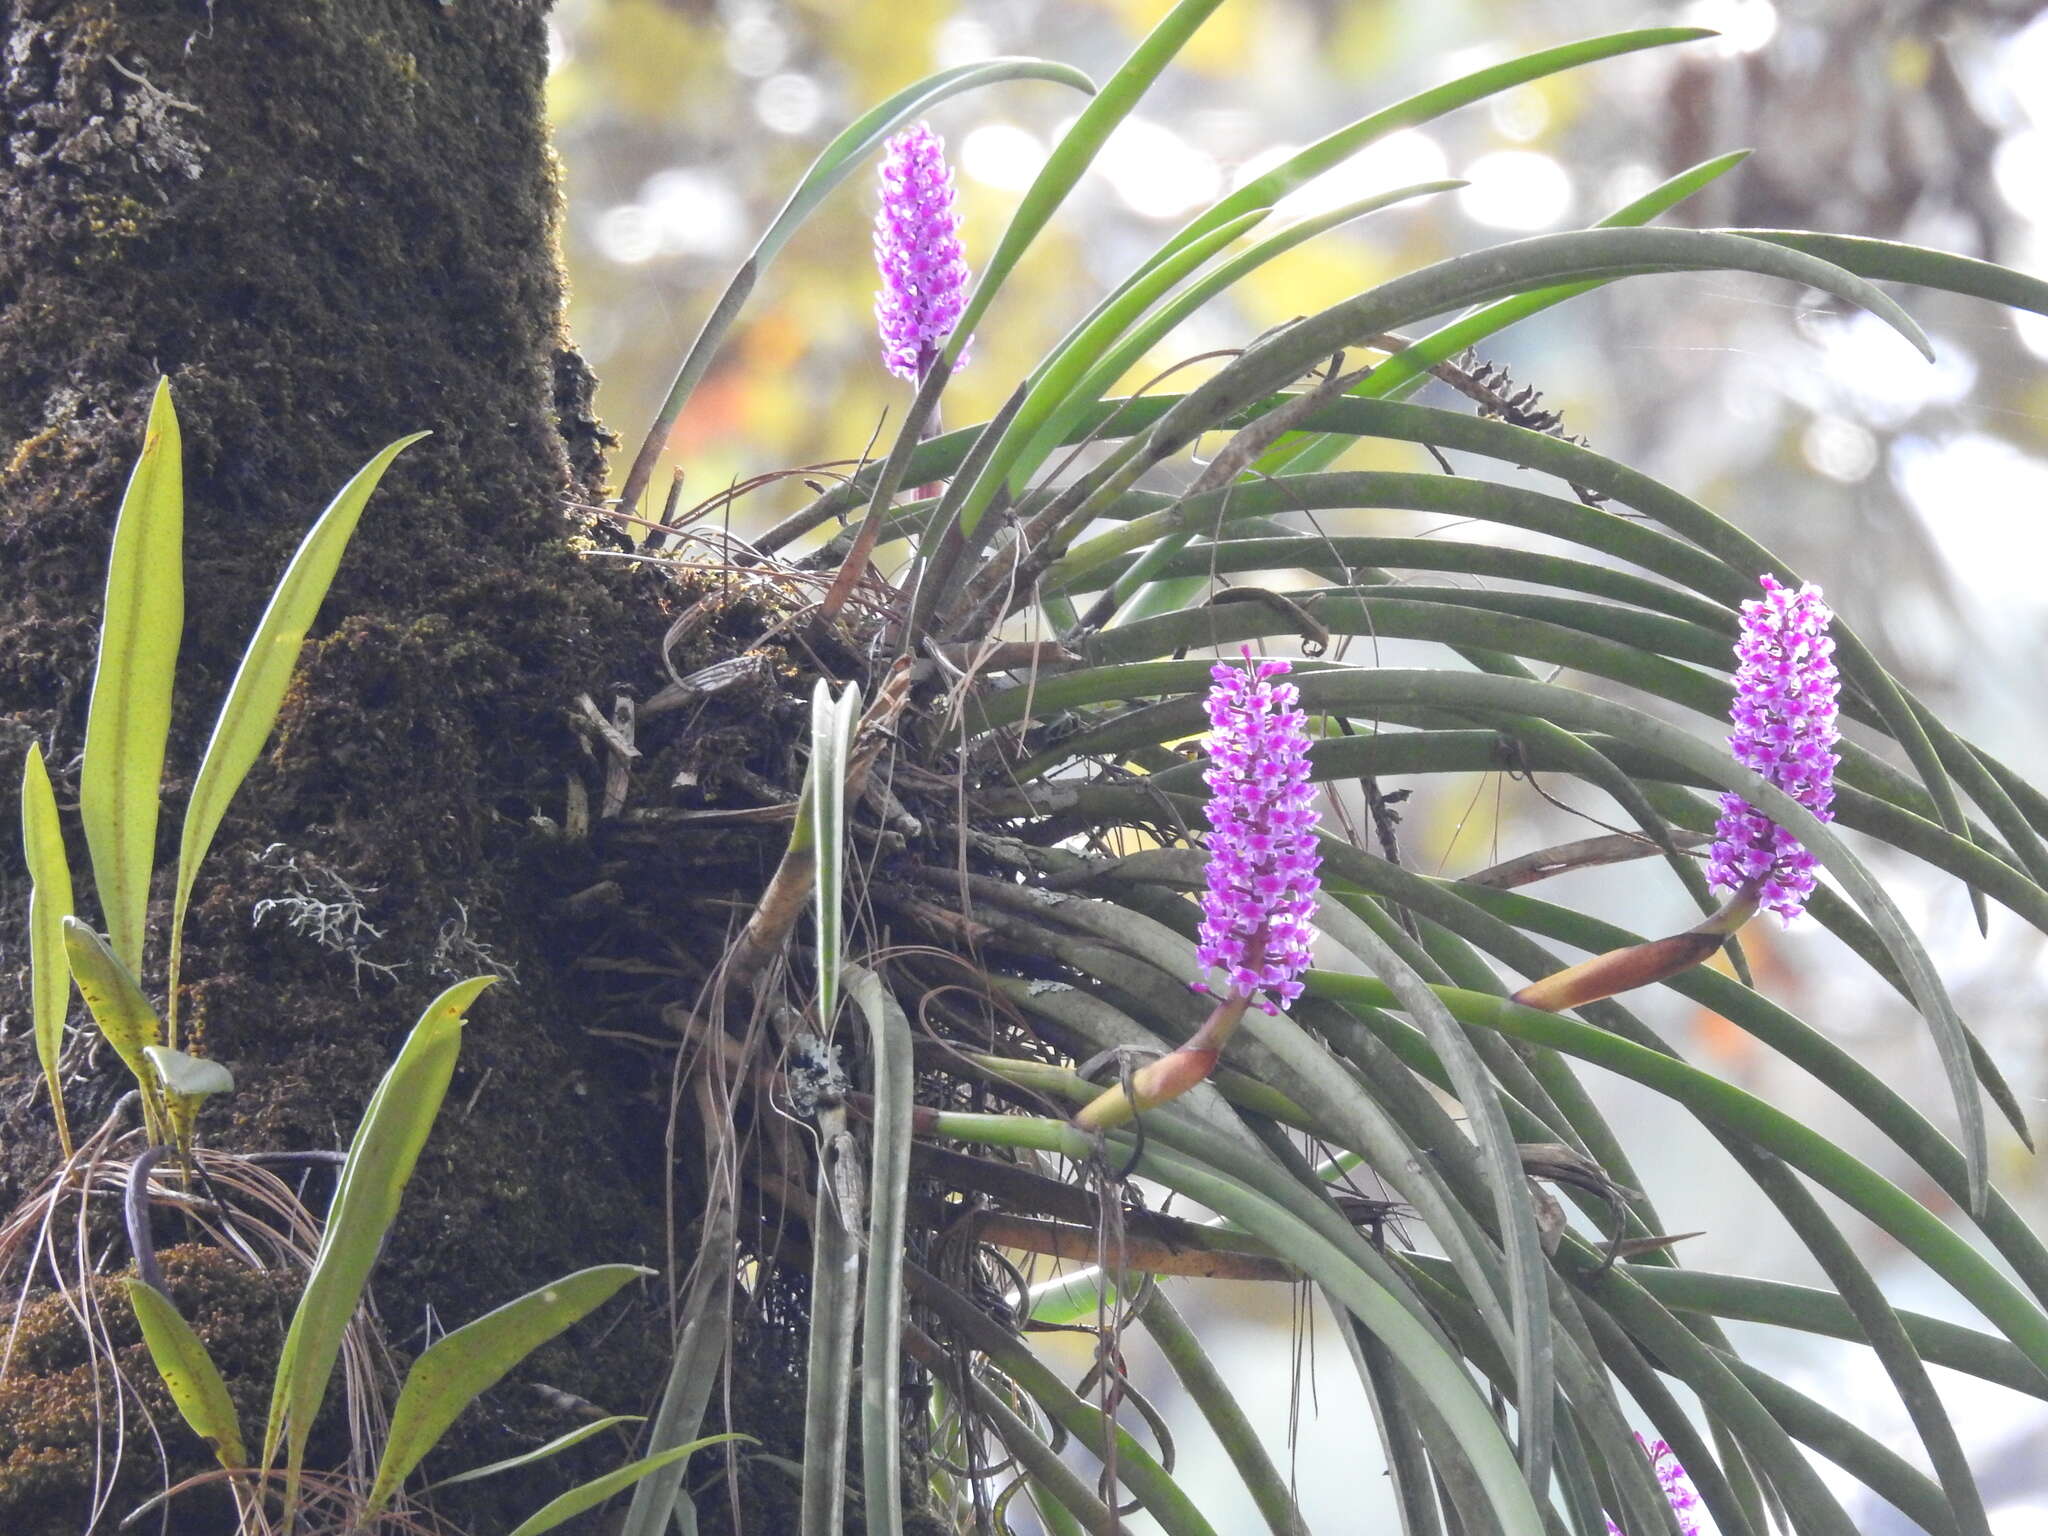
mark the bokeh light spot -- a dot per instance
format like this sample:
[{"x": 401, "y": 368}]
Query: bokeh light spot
[{"x": 1516, "y": 189}]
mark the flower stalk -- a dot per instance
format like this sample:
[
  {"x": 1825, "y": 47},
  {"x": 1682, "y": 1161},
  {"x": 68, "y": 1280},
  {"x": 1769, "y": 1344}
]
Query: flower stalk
[
  {"x": 1259, "y": 905},
  {"x": 1679, "y": 1492},
  {"x": 1784, "y": 718}
]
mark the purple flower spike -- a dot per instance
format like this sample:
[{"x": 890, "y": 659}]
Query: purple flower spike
[
  {"x": 917, "y": 247},
  {"x": 1784, "y": 716},
  {"x": 1262, "y": 835},
  {"x": 1678, "y": 1489}
]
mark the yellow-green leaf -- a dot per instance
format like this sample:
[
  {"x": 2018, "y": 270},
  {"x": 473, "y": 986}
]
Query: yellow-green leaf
[
  {"x": 188, "y": 1082},
  {"x": 458, "y": 1366},
  {"x": 554, "y": 1447},
  {"x": 380, "y": 1162},
  {"x": 250, "y": 709},
  {"x": 598, "y": 1489},
  {"x": 49, "y": 903},
  {"x": 130, "y": 717},
  {"x": 119, "y": 1008},
  {"x": 188, "y": 1370}
]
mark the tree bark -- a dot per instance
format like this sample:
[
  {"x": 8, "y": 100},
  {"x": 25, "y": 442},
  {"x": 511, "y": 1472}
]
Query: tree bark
[{"x": 329, "y": 223}]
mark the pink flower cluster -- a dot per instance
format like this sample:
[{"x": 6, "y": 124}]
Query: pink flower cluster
[
  {"x": 917, "y": 247},
  {"x": 1678, "y": 1489},
  {"x": 1262, "y": 835},
  {"x": 1784, "y": 716}
]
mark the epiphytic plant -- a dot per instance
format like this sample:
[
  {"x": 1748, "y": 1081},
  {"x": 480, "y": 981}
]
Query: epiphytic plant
[{"x": 1029, "y": 872}]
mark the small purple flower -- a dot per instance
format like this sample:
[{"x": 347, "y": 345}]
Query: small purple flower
[
  {"x": 1784, "y": 717},
  {"x": 917, "y": 247},
  {"x": 1262, "y": 835},
  {"x": 1678, "y": 1489}
]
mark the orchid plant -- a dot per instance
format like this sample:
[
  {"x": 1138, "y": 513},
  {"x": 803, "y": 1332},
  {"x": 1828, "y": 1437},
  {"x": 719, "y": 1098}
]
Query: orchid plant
[
  {"x": 1021, "y": 855},
  {"x": 1040, "y": 864}
]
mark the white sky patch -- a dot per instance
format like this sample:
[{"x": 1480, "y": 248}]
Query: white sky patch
[
  {"x": 789, "y": 103},
  {"x": 2020, "y": 167},
  {"x": 756, "y": 44},
  {"x": 694, "y": 213},
  {"x": 2023, "y": 69},
  {"x": 1880, "y": 371},
  {"x": 2033, "y": 331},
  {"x": 1839, "y": 448},
  {"x": 1002, "y": 155},
  {"x": 1986, "y": 504},
  {"x": 962, "y": 40},
  {"x": 1516, "y": 189},
  {"x": 1157, "y": 173},
  {"x": 1401, "y": 159},
  {"x": 627, "y": 235},
  {"x": 1744, "y": 25}
]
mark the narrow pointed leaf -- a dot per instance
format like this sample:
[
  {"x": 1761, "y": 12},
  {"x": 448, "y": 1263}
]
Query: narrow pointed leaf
[
  {"x": 194, "y": 1381},
  {"x": 1074, "y": 153},
  {"x": 457, "y": 1367},
  {"x": 556, "y": 1446},
  {"x": 380, "y": 1162},
  {"x": 1425, "y": 106},
  {"x": 593, "y": 1493},
  {"x": 49, "y": 904},
  {"x": 250, "y": 709},
  {"x": 1892, "y": 262},
  {"x": 130, "y": 718},
  {"x": 123, "y": 1014},
  {"x": 1070, "y": 363},
  {"x": 1401, "y": 373},
  {"x": 881, "y": 1373},
  {"x": 821, "y": 823}
]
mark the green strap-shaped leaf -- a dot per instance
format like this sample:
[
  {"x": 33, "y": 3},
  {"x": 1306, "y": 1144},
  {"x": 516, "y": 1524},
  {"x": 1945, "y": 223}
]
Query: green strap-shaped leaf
[
  {"x": 1950, "y": 1255},
  {"x": 593, "y": 1493},
  {"x": 123, "y": 1014},
  {"x": 821, "y": 821},
  {"x": 380, "y": 1162},
  {"x": 1074, "y": 153},
  {"x": 1071, "y": 361},
  {"x": 130, "y": 718},
  {"x": 695, "y": 1369},
  {"x": 250, "y": 709},
  {"x": 458, "y": 1366},
  {"x": 49, "y": 903},
  {"x": 1891, "y": 262},
  {"x": 890, "y": 1049},
  {"x": 1441, "y": 1378},
  {"x": 556, "y": 1446},
  {"x": 188, "y": 1370},
  {"x": 1346, "y": 688},
  {"x": 833, "y": 165},
  {"x": 1299, "y": 453},
  {"x": 1425, "y": 106}
]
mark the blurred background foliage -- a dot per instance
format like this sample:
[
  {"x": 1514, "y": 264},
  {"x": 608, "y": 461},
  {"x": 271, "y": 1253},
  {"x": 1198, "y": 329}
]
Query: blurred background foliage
[{"x": 1917, "y": 496}]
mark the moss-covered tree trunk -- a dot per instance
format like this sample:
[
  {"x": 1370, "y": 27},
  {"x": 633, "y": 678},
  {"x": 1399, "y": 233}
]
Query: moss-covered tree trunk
[{"x": 329, "y": 222}]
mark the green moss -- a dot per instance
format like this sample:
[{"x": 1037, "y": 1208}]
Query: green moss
[{"x": 345, "y": 243}]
